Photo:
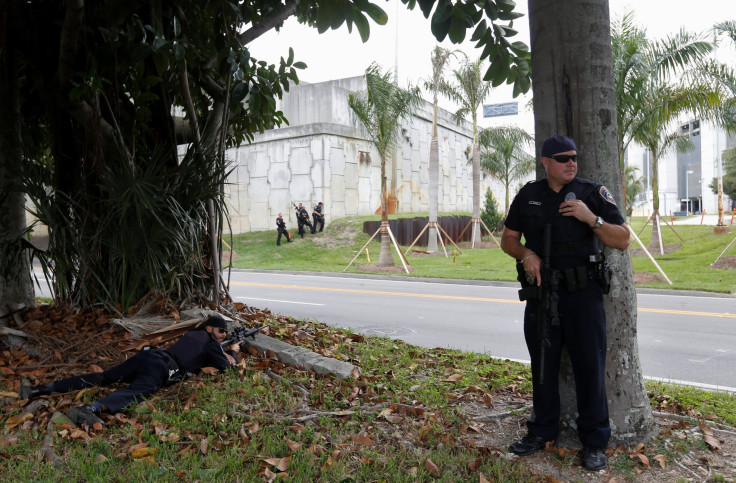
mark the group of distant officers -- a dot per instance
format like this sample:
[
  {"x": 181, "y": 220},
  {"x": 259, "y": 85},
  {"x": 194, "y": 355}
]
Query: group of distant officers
[{"x": 302, "y": 218}]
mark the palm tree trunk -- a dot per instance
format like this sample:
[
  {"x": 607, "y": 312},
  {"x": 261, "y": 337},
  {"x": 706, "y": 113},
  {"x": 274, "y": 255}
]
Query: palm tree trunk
[
  {"x": 434, "y": 175},
  {"x": 475, "y": 235},
  {"x": 385, "y": 257},
  {"x": 655, "y": 241}
]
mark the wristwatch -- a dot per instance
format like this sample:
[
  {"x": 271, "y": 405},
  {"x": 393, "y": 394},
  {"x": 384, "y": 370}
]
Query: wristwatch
[{"x": 598, "y": 223}]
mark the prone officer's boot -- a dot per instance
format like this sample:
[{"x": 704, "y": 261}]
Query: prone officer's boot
[{"x": 28, "y": 392}]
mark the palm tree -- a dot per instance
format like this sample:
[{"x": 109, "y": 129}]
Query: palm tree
[
  {"x": 660, "y": 141},
  {"x": 503, "y": 156},
  {"x": 634, "y": 186},
  {"x": 468, "y": 90},
  {"x": 379, "y": 110},
  {"x": 725, "y": 77},
  {"x": 440, "y": 59},
  {"x": 647, "y": 100}
]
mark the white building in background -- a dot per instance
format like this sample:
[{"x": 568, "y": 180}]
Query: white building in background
[
  {"x": 684, "y": 178},
  {"x": 322, "y": 156}
]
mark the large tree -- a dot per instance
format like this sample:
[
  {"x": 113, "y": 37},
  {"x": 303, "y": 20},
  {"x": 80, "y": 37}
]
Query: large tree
[
  {"x": 379, "y": 110},
  {"x": 468, "y": 89},
  {"x": 104, "y": 83},
  {"x": 574, "y": 95}
]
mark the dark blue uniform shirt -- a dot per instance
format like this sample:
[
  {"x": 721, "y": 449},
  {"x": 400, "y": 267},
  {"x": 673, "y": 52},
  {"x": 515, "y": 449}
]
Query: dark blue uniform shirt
[{"x": 572, "y": 240}]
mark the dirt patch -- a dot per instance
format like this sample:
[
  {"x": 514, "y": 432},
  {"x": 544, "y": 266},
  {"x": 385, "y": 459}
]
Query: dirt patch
[
  {"x": 638, "y": 251},
  {"x": 336, "y": 235},
  {"x": 505, "y": 422},
  {"x": 728, "y": 262},
  {"x": 641, "y": 278}
]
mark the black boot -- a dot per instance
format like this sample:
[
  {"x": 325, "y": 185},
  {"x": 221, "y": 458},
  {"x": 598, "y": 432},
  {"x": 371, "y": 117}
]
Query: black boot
[
  {"x": 594, "y": 458},
  {"x": 28, "y": 392},
  {"x": 527, "y": 445},
  {"x": 86, "y": 414}
]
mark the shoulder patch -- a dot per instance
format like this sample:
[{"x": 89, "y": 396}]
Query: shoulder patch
[{"x": 606, "y": 195}]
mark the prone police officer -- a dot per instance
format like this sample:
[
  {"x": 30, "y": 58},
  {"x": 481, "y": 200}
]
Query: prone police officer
[
  {"x": 146, "y": 372},
  {"x": 318, "y": 218},
  {"x": 579, "y": 213},
  {"x": 281, "y": 228}
]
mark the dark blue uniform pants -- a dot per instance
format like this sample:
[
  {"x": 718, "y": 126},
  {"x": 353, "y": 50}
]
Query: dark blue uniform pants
[
  {"x": 582, "y": 330},
  {"x": 145, "y": 372}
]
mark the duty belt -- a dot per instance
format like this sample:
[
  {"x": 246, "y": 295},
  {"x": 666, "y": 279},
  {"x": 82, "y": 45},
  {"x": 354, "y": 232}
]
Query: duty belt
[
  {"x": 171, "y": 363},
  {"x": 574, "y": 279}
]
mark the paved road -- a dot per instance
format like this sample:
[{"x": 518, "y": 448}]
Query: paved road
[
  {"x": 689, "y": 338},
  {"x": 684, "y": 338}
]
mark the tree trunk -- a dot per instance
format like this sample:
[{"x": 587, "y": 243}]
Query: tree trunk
[
  {"x": 385, "y": 258},
  {"x": 16, "y": 289},
  {"x": 655, "y": 241},
  {"x": 574, "y": 96},
  {"x": 434, "y": 175},
  {"x": 475, "y": 235}
]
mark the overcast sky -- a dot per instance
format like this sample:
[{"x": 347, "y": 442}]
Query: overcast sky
[{"x": 338, "y": 54}]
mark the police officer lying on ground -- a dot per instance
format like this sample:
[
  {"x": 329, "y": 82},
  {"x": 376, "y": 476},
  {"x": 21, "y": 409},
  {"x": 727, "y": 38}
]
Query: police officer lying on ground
[
  {"x": 579, "y": 211},
  {"x": 146, "y": 372},
  {"x": 281, "y": 227},
  {"x": 318, "y": 218}
]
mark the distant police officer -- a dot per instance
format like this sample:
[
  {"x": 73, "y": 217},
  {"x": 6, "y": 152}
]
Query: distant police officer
[
  {"x": 281, "y": 227},
  {"x": 302, "y": 217},
  {"x": 146, "y": 372},
  {"x": 318, "y": 217},
  {"x": 579, "y": 212}
]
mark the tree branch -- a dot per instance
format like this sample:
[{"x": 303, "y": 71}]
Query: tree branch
[{"x": 269, "y": 23}]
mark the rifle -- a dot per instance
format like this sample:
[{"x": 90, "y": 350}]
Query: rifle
[
  {"x": 547, "y": 315},
  {"x": 240, "y": 333}
]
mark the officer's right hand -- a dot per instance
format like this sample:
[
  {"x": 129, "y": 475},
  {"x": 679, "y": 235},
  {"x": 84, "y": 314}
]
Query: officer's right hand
[{"x": 533, "y": 266}]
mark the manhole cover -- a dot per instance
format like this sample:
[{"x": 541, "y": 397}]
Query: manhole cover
[{"x": 387, "y": 331}]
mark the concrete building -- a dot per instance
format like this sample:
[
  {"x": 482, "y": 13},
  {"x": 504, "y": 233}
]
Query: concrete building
[
  {"x": 322, "y": 156},
  {"x": 684, "y": 178}
]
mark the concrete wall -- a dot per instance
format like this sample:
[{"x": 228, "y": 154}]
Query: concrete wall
[{"x": 318, "y": 158}]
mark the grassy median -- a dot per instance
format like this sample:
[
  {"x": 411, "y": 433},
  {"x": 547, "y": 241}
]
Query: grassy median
[
  {"x": 413, "y": 414},
  {"x": 688, "y": 263}
]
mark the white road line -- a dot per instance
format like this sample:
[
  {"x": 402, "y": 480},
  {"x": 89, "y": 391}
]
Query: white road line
[{"x": 274, "y": 300}]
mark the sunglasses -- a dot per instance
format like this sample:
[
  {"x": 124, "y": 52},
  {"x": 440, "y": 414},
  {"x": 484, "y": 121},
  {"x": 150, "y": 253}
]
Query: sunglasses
[
  {"x": 220, "y": 330},
  {"x": 564, "y": 158}
]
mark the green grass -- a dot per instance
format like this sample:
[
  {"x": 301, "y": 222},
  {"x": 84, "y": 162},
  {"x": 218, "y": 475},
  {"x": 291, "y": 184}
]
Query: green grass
[
  {"x": 689, "y": 267},
  {"x": 236, "y": 426},
  {"x": 331, "y": 251}
]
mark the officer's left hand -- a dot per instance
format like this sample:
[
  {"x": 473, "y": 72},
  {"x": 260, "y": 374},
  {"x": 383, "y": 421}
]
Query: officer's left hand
[{"x": 579, "y": 210}]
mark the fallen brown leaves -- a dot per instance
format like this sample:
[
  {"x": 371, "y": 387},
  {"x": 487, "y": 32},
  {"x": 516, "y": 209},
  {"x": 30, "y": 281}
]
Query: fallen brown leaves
[{"x": 386, "y": 422}]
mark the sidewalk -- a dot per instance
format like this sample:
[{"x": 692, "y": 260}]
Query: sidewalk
[{"x": 709, "y": 220}]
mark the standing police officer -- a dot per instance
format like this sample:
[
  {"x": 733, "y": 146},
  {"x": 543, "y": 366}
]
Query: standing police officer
[
  {"x": 281, "y": 227},
  {"x": 146, "y": 372},
  {"x": 302, "y": 218},
  {"x": 318, "y": 217},
  {"x": 579, "y": 212}
]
